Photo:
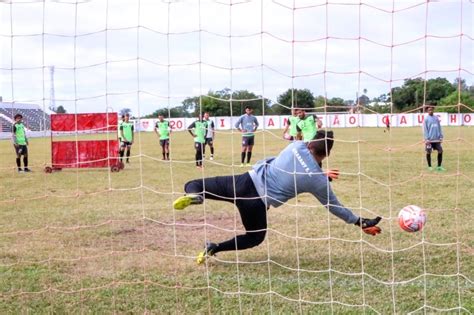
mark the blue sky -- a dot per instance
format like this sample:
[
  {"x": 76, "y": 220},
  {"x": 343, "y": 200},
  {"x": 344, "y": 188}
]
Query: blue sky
[{"x": 150, "y": 54}]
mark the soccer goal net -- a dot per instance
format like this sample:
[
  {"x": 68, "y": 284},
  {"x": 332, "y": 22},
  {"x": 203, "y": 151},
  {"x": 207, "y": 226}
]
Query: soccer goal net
[{"x": 206, "y": 89}]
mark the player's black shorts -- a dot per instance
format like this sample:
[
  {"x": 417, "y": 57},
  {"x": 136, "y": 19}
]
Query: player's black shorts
[
  {"x": 21, "y": 150},
  {"x": 164, "y": 142},
  {"x": 430, "y": 146},
  {"x": 248, "y": 141},
  {"x": 198, "y": 145},
  {"x": 209, "y": 141},
  {"x": 125, "y": 144}
]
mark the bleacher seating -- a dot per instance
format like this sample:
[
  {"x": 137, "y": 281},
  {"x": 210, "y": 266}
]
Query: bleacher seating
[
  {"x": 5, "y": 125},
  {"x": 34, "y": 118}
]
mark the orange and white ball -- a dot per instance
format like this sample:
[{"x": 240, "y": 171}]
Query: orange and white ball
[{"x": 412, "y": 218}]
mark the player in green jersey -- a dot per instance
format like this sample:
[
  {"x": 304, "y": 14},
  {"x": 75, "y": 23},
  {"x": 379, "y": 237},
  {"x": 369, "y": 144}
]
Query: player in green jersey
[
  {"x": 210, "y": 134},
  {"x": 307, "y": 126},
  {"x": 198, "y": 130},
  {"x": 163, "y": 130},
  {"x": 20, "y": 142},
  {"x": 127, "y": 137},
  {"x": 291, "y": 131}
]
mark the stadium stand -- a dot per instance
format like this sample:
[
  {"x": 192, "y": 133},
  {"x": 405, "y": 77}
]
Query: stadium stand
[
  {"x": 5, "y": 125},
  {"x": 34, "y": 118}
]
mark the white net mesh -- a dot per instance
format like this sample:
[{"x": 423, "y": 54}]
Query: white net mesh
[{"x": 92, "y": 240}]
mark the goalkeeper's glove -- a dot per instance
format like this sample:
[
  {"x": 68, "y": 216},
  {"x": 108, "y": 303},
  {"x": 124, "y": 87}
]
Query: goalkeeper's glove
[
  {"x": 332, "y": 174},
  {"x": 369, "y": 226}
]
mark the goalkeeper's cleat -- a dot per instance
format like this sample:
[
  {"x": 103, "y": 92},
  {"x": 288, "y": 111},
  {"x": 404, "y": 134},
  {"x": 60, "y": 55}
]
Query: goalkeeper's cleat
[
  {"x": 210, "y": 250},
  {"x": 440, "y": 169},
  {"x": 185, "y": 201},
  {"x": 369, "y": 226},
  {"x": 430, "y": 168}
]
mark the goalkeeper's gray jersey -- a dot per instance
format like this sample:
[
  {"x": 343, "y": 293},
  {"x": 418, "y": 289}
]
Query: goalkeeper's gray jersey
[{"x": 292, "y": 172}]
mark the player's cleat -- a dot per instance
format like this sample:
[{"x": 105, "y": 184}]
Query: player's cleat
[
  {"x": 440, "y": 169},
  {"x": 20, "y": 170},
  {"x": 207, "y": 252},
  {"x": 241, "y": 164},
  {"x": 185, "y": 201},
  {"x": 27, "y": 170},
  {"x": 248, "y": 164},
  {"x": 211, "y": 158},
  {"x": 430, "y": 168}
]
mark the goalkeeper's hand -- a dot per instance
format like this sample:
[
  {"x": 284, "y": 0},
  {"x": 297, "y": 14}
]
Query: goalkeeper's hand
[
  {"x": 333, "y": 173},
  {"x": 369, "y": 226}
]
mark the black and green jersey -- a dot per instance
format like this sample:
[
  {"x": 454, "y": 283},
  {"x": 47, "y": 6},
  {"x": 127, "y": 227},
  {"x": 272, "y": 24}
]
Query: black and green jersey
[
  {"x": 308, "y": 127},
  {"x": 164, "y": 129},
  {"x": 19, "y": 134},
  {"x": 119, "y": 130},
  {"x": 293, "y": 123},
  {"x": 200, "y": 130},
  {"x": 127, "y": 131}
]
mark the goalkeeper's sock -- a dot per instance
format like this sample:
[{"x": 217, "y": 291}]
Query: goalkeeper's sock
[
  {"x": 242, "y": 157},
  {"x": 428, "y": 159}
]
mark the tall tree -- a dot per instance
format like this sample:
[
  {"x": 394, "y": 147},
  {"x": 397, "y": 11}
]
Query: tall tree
[
  {"x": 451, "y": 101},
  {"x": 412, "y": 93},
  {"x": 61, "y": 110},
  {"x": 225, "y": 103},
  {"x": 125, "y": 111},
  {"x": 173, "y": 112},
  {"x": 302, "y": 98}
]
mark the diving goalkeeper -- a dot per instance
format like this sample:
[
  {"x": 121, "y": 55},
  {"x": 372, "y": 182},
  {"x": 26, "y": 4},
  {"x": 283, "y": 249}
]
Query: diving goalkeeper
[{"x": 272, "y": 182}]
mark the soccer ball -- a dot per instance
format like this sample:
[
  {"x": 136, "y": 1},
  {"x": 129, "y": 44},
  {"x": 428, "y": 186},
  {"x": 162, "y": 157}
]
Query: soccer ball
[{"x": 412, "y": 218}]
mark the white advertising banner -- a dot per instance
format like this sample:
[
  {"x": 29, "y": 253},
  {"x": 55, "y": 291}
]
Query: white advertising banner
[{"x": 328, "y": 120}]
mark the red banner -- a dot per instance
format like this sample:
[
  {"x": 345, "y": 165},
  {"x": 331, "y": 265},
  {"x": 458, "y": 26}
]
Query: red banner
[
  {"x": 85, "y": 154},
  {"x": 81, "y": 122}
]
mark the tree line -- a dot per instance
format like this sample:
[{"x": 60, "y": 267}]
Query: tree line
[{"x": 409, "y": 96}]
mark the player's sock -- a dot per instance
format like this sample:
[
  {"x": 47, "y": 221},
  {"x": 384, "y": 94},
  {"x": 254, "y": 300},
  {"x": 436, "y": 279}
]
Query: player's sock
[
  {"x": 25, "y": 161},
  {"x": 242, "y": 157},
  {"x": 121, "y": 155},
  {"x": 212, "y": 151},
  {"x": 249, "y": 156},
  {"x": 164, "y": 156},
  {"x": 440, "y": 159},
  {"x": 167, "y": 155},
  {"x": 128, "y": 155},
  {"x": 428, "y": 159},
  {"x": 18, "y": 163}
]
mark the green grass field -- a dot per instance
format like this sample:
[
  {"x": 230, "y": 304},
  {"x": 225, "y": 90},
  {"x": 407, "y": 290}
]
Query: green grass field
[{"x": 92, "y": 241}]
